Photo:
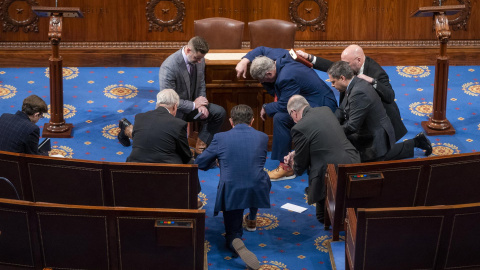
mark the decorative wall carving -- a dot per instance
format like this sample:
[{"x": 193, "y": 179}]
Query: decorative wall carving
[
  {"x": 460, "y": 21},
  {"x": 157, "y": 24},
  {"x": 10, "y": 24},
  {"x": 316, "y": 24}
]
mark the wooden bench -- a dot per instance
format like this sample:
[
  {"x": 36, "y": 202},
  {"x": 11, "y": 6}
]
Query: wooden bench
[
  {"x": 56, "y": 236},
  {"x": 443, "y": 180},
  {"x": 95, "y": 183},
  {"x": 433, "y": 237}
]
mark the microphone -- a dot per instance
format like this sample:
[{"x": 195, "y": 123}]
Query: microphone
[{"x": 13, "y": 187}]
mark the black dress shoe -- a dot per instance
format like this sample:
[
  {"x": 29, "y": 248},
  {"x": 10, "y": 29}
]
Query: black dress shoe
[
  {"x": 422, "y": 142},
  {"x": 122, "y": 138}
]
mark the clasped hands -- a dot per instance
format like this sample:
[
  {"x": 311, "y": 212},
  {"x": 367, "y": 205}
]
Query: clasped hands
[{"x": 201, "y": 104}]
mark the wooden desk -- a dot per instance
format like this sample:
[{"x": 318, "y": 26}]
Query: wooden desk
[{"x": 226, "y": 90}]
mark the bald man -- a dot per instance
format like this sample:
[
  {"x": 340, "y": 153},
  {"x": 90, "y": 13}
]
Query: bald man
[{"x": 367, "y": 69}]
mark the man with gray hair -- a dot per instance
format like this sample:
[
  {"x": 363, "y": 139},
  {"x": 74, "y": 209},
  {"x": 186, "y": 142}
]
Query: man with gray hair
[
  {"x": 319, "y": 140},
  {"x": 184, "y": 72},
  {"x": 284, "y": 77},
  {"x": 367, "y": 69},
  {"x": 158, "y": 136}
]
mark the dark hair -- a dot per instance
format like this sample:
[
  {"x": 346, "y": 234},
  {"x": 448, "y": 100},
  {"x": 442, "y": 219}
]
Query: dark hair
[
  {"x": 198, "y": 44},
  {"x": 241, "y": 114},
  {"x": 33, "y": 104},
  {"x": 340, "y": 68}
]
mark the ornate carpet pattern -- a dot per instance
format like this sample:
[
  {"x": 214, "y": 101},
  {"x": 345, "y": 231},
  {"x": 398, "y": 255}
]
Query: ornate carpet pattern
[{"x": 96, "y": 98}]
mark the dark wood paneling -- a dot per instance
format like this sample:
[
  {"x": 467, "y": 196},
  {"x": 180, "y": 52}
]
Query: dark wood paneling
[
  {"x": 126, "y": 20},
  {"x": 116, "y": 32}
]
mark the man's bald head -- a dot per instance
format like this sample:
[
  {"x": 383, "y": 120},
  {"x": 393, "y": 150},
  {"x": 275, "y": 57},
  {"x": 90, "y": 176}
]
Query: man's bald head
[{"x": 355, "y": 57}]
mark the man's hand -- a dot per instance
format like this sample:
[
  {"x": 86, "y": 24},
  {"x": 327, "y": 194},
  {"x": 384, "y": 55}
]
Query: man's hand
[
  {"x": 288, "y": 159},
  {"x": 242, "y": 67},
  {"x": 200, "y": 101},
  {"x": 303, "y": 54},
  {"x": 205, "y": 112},
  {"x": 263, "y": 114},
  {"x": 366, "y": 78}
]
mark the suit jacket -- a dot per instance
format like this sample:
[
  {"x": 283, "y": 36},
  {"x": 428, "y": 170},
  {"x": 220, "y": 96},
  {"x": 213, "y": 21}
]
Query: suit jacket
[
  {"x": 293, "y": 78},
  {"x": 365, "y": 121},
  {"x": 18, "y": 134},
  {"x": 241, "y": 153},
  {"x": 384, "y": 90},
  {"x": 159, "y": 137},
  {"x": 320, "y": 140},
  {"x": 174, "y": 75}
]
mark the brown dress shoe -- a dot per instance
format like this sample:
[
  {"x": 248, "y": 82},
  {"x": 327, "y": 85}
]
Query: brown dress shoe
[
  {"x": 280, "y": 173},
  {"x": 250, "y": 225},
  {"x": 200, "y": 146}
]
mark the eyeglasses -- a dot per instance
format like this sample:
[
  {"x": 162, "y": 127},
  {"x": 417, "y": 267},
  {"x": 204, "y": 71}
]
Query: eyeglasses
[{"x": 290, "y": 113}]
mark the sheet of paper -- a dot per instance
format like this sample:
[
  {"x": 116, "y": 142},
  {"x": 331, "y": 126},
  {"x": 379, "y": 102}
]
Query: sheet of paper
[
  {"x": 224, "y": 56},
  {"x": 293, "y": 207}
]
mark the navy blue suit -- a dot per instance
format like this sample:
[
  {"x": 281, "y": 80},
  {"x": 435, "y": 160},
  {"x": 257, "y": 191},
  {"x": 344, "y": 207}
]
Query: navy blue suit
[
  {"x": 293, "y": 78},
  {"x": 18, "y": 134},
  {"x": 241, "y": 153}
]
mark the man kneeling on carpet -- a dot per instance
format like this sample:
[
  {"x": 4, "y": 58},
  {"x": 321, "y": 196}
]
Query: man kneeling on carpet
[
  {"x": 158, "y": 136},
  {"x": 241, "y": 153},
  {"x": 319, "y": 140}
]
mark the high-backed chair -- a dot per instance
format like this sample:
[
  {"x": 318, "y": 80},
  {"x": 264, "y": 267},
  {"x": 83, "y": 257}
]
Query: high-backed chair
[
  {"x": 220, "y": 33},
  {"x": 272, "y": 33}
]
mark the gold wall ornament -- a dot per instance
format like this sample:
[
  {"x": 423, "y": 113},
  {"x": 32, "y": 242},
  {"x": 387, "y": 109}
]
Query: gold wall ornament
[
  {"x": 317, "y": 23},
  {"x": 158, "y": 24},
  {"x": 460, "y": 20},
  {"x": 23, "y": 16}
]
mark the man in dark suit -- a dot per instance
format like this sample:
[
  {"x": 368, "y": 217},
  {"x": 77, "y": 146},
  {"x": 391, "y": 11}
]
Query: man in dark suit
[
  {"x": 319, "y": 140},
  {"x": 158, "y": 136},
  {"x": 241, "y": 153},
  {"x": 19, "y": 132},
  {"x": 367, "y": 69},
  {"x": 283, "y": 77},
  {"x": 184, "y": 72},
  {"x": 361, "y": 114}
]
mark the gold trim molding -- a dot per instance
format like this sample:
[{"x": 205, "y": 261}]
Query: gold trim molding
[{"x": 245, "y": 44}]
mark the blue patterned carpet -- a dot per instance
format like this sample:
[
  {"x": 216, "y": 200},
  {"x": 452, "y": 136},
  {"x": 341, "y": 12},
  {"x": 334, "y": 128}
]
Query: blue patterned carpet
[{"x": 96, "y": 98}]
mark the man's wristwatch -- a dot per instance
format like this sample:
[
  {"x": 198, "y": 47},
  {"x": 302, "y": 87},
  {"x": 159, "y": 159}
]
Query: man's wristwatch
[{"x": 374, "y": 83}]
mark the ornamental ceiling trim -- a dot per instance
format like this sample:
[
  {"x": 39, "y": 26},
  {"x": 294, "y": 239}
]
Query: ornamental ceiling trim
[
  {"x": 12, "y": 25},
  {"x": 459, "y": 22},
  {"x": 316, "y": 24},
  {"x": 157, "y": 24},
  {"x": 177, "y": 45}
]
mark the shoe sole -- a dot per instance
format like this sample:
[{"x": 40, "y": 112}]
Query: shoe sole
[
  {"x": 246, "y": 255},
  {"x": 283, "y": 178},
  {"x": 250, "y": 229}
]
